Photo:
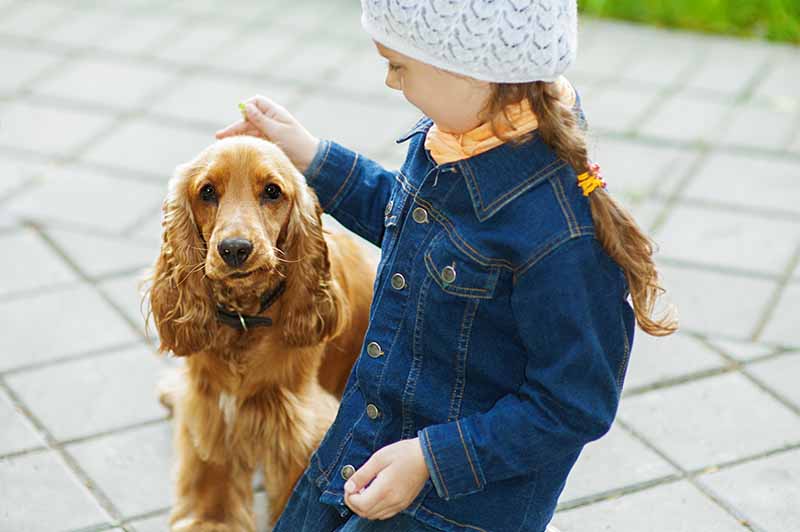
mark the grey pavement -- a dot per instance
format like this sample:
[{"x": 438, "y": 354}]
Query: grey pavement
[{"x": 699, "y": 136}]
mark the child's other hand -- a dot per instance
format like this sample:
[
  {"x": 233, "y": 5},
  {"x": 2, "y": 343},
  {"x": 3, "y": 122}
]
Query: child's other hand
[
  {"x": 399, "y": 473},
  {"x": 269, "y": 120}
]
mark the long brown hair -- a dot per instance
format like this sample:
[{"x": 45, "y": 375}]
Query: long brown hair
[{"x": 615, "y": 228}]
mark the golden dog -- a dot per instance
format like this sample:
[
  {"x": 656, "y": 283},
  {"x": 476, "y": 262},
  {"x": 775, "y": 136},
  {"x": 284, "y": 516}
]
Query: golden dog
[{"x": 270, "y": 311}]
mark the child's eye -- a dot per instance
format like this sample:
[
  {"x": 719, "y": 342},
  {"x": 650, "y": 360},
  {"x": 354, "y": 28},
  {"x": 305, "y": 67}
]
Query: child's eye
[{"x": 394, "y": 68}]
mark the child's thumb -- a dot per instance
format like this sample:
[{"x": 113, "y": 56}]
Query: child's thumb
[
  {"x": 260, "y": 120},
  {"x": 365, "y": 474}
]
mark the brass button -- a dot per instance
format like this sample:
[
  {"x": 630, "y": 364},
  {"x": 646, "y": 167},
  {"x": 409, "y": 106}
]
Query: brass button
[
  {"x": 374, "y": 349},
  {"x": 372, "y": 411},
  {"x": 347, "y": 471},
  {"x": 448, "y": 274},
  {"x": 388, "y": 208},
  {"x": 398, "y": 281},
  {"x": 420, "y": 215}
]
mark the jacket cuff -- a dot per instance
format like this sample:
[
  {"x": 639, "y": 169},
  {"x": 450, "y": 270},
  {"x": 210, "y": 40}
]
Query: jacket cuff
[
  {"x": 451, "y": 460},
  {"x": 330, "y": 171}
]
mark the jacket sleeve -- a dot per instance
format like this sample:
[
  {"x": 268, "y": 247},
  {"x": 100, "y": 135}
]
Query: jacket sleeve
[
  {"x": 571, "y": 313},
  {"x": 351, "y": 188}
]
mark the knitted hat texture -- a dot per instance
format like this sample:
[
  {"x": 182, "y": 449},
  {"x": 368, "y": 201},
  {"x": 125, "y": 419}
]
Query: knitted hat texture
[{"x": 502, "y": 41}]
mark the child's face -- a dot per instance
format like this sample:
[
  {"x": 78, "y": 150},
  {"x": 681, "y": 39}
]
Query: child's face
[{"x": 452, "y": 101}]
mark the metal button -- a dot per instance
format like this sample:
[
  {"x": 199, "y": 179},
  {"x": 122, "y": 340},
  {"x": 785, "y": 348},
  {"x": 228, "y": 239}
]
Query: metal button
[
  {"x": 420, "y": 215},
  {"x": 374, "y": 349},
  {"x": 372, "y": 411},
  {"x": 448, "y": 274},
  {"x": 388, "y": 208},
  {"x": 398, "y": 281},
  {"x": 347, "y": 471}
]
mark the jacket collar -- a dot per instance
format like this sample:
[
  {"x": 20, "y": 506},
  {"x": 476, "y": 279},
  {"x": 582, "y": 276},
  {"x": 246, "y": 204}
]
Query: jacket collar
[{"x": 497, "y": 176}]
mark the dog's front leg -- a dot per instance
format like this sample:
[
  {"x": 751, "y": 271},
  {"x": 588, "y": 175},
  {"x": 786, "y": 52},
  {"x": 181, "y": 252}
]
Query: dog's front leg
[{"x": 210, "y": 497}]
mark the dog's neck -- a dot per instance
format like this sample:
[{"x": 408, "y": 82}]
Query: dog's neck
[{"x": 244, "y": 322}]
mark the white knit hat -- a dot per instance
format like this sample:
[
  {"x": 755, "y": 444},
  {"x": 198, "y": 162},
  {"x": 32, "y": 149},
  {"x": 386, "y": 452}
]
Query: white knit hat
[{"x": 503, "y": 41}]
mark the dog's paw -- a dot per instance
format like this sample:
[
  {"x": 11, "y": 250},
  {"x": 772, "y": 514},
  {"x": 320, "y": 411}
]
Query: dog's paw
[{"x": 194, "y": 525}]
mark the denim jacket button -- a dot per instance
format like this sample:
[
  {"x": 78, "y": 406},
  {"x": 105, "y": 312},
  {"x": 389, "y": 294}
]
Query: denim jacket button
[
  {"x": 347, "y": 471},
  {"x": 448, "y": 274},
  {"x": 420, "y": 215},
  {"x": 398, "y": 281},
  {"x": 374, "y": 349},
  {"x": 388, "y": 208},
  {"x": 372, "y": 411}
]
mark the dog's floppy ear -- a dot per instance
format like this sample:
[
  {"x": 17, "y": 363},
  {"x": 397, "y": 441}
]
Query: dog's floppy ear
[
  {"x": 180, "y": 300},
  {"x": 314, "y": 308}
]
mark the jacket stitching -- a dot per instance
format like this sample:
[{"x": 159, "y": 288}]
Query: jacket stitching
[
  {"x": 466, "y": 451},
  {"x": 471, "y": 308},
  {"x": 322, "y": 163},
  {"x": 550, "y": 246},
  {"x": 436, "y": 465},
  {"x": 416, "y": 363},
  {"x": 561, "y": 196},
  {"x": 440, "y": 516},
  {"x": 344, "y": 183}
]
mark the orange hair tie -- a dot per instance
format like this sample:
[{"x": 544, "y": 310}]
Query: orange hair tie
[{"x": 589, "y": 181}]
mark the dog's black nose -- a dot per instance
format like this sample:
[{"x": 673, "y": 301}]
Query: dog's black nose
[{"x": 234, "y": 251}]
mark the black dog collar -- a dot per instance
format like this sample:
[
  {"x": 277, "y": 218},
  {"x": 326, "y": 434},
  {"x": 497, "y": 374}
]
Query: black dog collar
[{"x": 242, "y": 322}]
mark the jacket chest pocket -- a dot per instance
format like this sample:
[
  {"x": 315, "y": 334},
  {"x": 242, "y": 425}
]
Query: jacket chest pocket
[{"x": 456, "y": 273}]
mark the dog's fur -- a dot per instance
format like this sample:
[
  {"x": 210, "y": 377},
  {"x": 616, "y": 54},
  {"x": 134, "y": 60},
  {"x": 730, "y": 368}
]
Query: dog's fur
[{"x": 262, "y": 397}]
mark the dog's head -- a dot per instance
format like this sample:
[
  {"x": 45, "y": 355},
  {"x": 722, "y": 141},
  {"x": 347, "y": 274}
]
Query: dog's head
[{"x": 237, "y": 220}]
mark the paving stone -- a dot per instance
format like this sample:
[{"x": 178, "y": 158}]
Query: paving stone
[
  {"x": 140, "y": 457},
  {"x": 18, "y": 434},
  {"x": 364, "y": 72},
  {"x": 98, "y": 256},
  {"x": 729, "y": 419},
  {"x": 675, "y": 507},
  {"x": 765, "y": 491},
  {"x": 607, "y": 48},
  {"x": 312, "y": 62},
  {"x": 781, "y": 85},
  {"x": 87, "y": 198},
  {"x": 762, "y": 182},
  {"x": 645, "y": 212},
  {"x": 663, "y": 58},
  {"x": 195, "y": 43},
  {"x": 106, "y": 392},
  {"x": 77, "y": 320},
  {"x": 38, "y": 493},
  {"x": 782, "y": 325},
  {"x": 33, "y": 18},
  {"x": 701, "y": 235},
  {"x": 323, "y": 118},
  {"x": 85, "y": 28},
  {"x": 108, "y": 82},
  {"x": 614, "y": 461},
  {"x": 141, "y": 33},
  {"x": 165, "y": 147},
  {"x": 26, "y": 65},
  {"x": 658, "y": 359},
  {"x": 16, "y": 172},
  {"x": 617, "y": 108},
  {"x": 126, "y": 293},
  {"x": 742, "y": 351},
  {"x": 30, "y": 264},
  {"x": 255, "y": 52},
  {"x": 214, "y": 100},
  {"x": 639, "y": 169},
  {"x": 48, "y": 129},
  {"x": 729, "y": 65},
  {"x": 760, "y": 127},
  {"x": 780, "y": 374},
  {"x": 686, "y": 118},
  {"x": 708, "y": 303}
]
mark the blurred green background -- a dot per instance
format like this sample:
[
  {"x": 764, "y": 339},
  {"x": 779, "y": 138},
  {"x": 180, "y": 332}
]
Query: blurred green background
[{"x": 776, "y": 20}]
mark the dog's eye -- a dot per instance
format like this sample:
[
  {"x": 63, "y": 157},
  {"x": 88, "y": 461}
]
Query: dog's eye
[
  {"x": 272, "y": 192},
  {"x": 208, "y": 194}
]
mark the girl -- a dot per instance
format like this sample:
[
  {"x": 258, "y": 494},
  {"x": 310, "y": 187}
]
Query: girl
[{"x": 500, "y": 327}]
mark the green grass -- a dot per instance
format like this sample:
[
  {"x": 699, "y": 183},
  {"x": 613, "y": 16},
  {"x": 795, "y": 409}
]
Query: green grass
[{"x": 776, "y": 20}]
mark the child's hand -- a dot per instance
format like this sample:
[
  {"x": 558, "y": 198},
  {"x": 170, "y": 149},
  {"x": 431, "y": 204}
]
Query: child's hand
[
  {"x": 266, "y": 119},
  {"x": 399, "y": 472}
]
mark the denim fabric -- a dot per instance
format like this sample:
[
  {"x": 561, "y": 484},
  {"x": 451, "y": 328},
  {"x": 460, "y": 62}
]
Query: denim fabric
[{"x": 504, "y": 348}]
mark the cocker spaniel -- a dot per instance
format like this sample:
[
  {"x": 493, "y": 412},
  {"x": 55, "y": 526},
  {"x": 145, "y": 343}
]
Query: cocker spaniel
[{"x": 270, "y": 311}]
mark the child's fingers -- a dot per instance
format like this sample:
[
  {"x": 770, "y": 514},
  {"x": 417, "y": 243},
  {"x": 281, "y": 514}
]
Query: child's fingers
[
  {"x": 269, "y": 107},
  {"x": 237, "y": 128},
  {"x": 368, "y": 501},
  {"x": 365, "y": 473},
  {"x": 260, "y": 120}
]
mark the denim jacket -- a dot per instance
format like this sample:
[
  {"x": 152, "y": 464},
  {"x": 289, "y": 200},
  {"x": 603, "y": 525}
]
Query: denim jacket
[{"x": 499, "y": 329}]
